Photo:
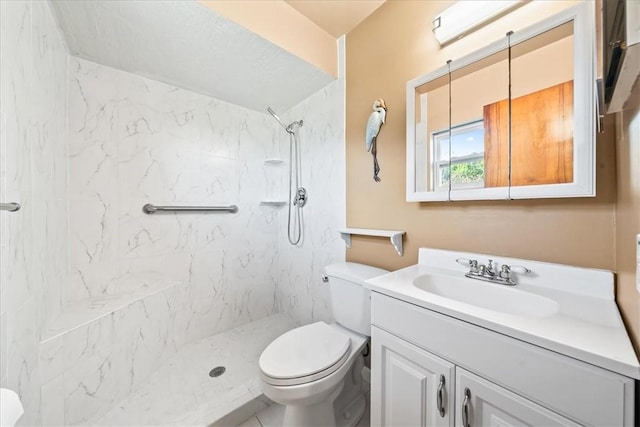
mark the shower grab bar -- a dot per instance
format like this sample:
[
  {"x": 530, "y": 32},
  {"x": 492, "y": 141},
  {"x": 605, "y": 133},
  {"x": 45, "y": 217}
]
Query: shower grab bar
[
  {"x": 151, "y": 209},
  {"x": 11, "y": 207}
]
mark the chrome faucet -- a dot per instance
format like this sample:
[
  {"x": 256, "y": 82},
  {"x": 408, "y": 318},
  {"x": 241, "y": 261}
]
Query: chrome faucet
[{"x": 488, "y": 272}]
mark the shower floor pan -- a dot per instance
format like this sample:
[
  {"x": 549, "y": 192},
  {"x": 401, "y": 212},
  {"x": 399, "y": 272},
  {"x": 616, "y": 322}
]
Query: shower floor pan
[{"x": 182, "y": 392}]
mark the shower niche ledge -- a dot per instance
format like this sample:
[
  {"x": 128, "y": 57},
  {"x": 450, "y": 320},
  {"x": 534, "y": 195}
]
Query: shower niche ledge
[
  {"x": 274, "y": 195},
  {"x": 395, "y": 236},
  {"x": 273, "y": 203},
  {"x": 275, "y": 162},
  {"x": 83, "y": 313}
]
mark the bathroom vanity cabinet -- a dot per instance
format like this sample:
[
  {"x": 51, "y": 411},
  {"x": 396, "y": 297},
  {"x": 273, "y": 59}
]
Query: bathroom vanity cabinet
[{"x": 430, "y": 369}]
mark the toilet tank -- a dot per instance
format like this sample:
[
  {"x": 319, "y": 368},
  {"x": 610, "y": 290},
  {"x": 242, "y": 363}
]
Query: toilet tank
[{"x": 350, "y": 301}]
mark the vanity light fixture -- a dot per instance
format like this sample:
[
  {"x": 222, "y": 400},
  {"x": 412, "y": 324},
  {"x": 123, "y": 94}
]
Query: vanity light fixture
[{"x": 467, "y": 15}]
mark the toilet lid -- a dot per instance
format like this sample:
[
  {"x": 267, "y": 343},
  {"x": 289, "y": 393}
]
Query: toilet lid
[{"x": 304, "y": 351}]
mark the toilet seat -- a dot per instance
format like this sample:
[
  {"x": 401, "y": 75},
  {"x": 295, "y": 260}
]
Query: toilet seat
[{"x": 304, "y": 354}]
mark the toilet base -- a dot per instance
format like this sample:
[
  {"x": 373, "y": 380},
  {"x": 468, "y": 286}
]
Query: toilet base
[
  {"x": 325, "y": 414},
  {"x": 320, "y": 414},
  {"x": 351, "y": 415},
  {"x": 349, "y": 407}
]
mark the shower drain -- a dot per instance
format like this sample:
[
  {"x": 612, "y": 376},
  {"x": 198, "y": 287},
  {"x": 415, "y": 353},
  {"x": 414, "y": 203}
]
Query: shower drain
[{"x": 217, "y": 371}]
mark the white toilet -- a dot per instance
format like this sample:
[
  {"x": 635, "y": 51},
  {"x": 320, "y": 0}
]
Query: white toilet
[{"x": 315, "y": 370}]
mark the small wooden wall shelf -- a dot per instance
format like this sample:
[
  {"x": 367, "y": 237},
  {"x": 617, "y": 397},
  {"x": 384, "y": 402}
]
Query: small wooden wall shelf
[{"x": 395, "y": 236}]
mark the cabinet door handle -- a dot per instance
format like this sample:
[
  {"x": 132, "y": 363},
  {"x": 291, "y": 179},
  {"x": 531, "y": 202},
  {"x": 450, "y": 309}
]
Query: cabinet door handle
[
  {"x": 441, "y": 396},
  {"x": 465, "y": 407}
]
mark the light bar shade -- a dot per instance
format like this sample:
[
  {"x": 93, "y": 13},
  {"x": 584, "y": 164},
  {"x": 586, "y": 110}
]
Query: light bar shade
[{"x": 467, "y": 15}]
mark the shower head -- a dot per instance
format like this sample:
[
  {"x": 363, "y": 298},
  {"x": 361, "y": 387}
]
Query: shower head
[
  {"x": 289, "y": 128},
  {"x": 275, "y": 116},
  {"x": 298, "y": 123}
]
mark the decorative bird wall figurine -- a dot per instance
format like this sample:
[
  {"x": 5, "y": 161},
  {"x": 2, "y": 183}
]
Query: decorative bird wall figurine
[{"x": 376, "y": 120}]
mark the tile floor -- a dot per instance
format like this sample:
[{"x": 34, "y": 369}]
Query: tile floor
[
  {"x": 181, "y": 391},
  {"x": 272, "y": 416}
]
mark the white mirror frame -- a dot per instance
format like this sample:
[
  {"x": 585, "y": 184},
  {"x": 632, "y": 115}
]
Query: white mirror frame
[{"x": 584, "y": 101}]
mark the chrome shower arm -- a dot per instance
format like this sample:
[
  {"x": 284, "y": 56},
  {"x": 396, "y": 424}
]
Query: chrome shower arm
[
  {"x": 289, "y": 129},
  {"x": 275, "y": 116}
]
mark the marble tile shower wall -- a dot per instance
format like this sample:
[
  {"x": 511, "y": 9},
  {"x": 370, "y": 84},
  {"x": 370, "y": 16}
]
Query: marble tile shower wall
[
  {"x": 301, "y": 293},
  {"x": 33, "y": 172},
  {"x": 82, "y": 148},
  {"x": 134, "y": 141}
]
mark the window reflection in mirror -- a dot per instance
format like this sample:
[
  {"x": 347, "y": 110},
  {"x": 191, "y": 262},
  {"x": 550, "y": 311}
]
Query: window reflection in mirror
[
  {"x": 466, "y": 168},
  {"x": 473, "y": 87}
]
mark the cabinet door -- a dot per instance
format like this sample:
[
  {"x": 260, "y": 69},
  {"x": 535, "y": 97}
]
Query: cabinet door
[
  {"x": 409, "y": 386},
  {"x": 482, "y": 403}
]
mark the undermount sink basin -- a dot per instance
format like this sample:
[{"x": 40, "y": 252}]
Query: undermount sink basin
[{"x": 490, "y": 296}]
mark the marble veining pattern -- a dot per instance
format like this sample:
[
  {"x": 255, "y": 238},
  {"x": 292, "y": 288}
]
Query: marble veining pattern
[
  {"x": 83, "y": 323},
  {"x": 181, "y": 392},
  {"x": 33, "y": 172},
  {"x": 135, "y": 141},
  {"x": 301, "y": 292}
]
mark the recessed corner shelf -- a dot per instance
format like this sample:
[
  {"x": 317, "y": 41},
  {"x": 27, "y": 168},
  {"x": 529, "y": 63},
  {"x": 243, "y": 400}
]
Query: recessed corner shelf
[
  {"x": 394, "y": 235},
  {"x": 273, "y": 202},
  {"x": 274, "y": 162}
]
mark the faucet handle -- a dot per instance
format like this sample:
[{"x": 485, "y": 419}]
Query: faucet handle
[
  {"x": 471, "y": 263},
  {"x": 505, "y": 272},
  {"x": 519, "y": 269}
]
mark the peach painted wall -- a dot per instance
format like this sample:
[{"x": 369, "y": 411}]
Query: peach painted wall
[
  {"x": 336, "y": 17},
  {"x": 394, "y": 45},
  {"x": 628, "y": 213},
  {"x": 284, "y": 26}
]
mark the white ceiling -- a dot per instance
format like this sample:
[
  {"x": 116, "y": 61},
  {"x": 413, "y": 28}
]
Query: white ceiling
[{"x": 187, "y": 45}]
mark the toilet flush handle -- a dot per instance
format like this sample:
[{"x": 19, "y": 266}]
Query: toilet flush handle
[{"x": 325, "y": 278}]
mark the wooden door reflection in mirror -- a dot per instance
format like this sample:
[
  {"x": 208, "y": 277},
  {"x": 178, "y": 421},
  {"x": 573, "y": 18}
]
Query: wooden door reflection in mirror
[{"x": 541, "y": 115}]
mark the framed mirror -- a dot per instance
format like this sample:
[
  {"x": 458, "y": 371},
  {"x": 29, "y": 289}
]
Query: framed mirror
[{"x": 514, "y": 120}]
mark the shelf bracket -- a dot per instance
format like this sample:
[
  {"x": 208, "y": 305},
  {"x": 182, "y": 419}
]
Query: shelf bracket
[
  {"x": 396, "y": 241},
  {"x": 346, "y": 237}
]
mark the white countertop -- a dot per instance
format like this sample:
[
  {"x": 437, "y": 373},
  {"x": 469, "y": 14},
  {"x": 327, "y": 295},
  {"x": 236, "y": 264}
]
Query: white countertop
[{"x": 587, "y": 325}]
